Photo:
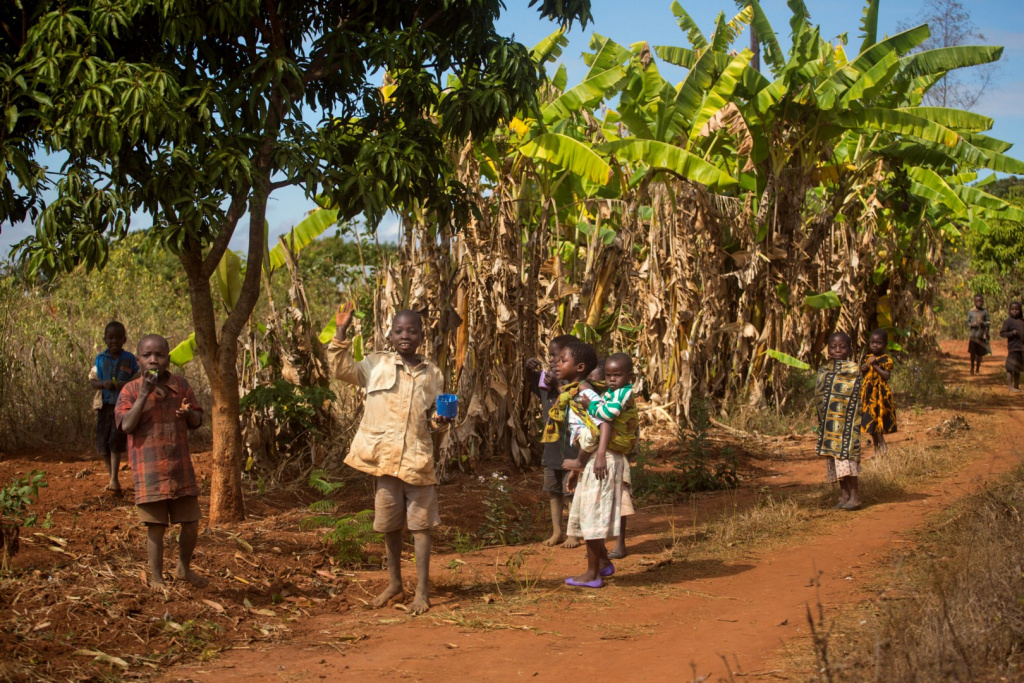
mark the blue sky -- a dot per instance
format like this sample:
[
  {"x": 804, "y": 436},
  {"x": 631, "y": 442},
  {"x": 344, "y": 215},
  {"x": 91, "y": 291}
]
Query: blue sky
[{"x": 630, "y": 21}]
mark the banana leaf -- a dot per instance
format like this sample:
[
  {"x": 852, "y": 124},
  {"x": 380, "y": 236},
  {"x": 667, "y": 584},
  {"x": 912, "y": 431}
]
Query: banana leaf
[
  {"x": 957, "y": 119},
  {"x": 307, "y": 230},
  {"x": 689, "y": 27},
  {"x": 827, "y": 299},
  {"x": 787, "y": 359},
  {"x": 664, "y": 156},
  {"x": 229, "y": 278},
  {"x": 184, "y": 352},
  {"x": 586, "y": 95},
  {"x": 568, "y": 153}
]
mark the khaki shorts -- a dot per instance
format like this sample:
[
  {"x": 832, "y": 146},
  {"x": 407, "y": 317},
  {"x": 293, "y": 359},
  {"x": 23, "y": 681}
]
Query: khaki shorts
[
  {"x": 172, "y": 511},
  {"x": 398, "y": 505}
]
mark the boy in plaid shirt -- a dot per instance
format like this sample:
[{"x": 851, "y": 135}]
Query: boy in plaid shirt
[{"x": 156, "y": 411}]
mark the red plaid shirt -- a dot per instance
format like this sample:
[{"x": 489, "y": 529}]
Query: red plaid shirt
[{"x": 158, "y": 448}]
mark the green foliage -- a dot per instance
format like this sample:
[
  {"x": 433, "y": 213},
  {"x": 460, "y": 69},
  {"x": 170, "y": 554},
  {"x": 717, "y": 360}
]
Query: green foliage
[
  {"x": 505, "y": 523},
  {"x": 346, "y": 536},
  {"x": 295, "y": 408},
  {"x": 695, "y": 467},
  {"x": 19, "y": 494}
]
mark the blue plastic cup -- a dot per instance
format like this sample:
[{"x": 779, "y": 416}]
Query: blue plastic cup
[{"x": 448, "y": 406}]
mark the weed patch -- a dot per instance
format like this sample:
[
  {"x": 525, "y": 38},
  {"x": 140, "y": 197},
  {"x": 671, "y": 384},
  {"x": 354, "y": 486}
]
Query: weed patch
[{"x": 954, "y": 609}]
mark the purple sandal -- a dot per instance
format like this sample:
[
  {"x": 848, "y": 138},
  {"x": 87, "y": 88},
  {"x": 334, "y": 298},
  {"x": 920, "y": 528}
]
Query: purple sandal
[
  {"x": 596, "y": 583},
  {"x": 607, "y": 571}
]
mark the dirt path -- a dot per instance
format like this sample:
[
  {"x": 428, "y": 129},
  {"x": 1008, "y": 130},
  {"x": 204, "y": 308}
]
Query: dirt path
[{"x": 651, "y": 622}]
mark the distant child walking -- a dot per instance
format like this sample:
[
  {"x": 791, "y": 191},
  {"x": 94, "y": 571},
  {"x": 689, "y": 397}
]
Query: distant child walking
[
  {"x": 977, "y": 325},
  {"x": 114, "y": 367},
  {"x": 837, "y": 397},
  {"x": 1013, "y": 333},
  {"x": 394, "y": 443},
  {"x": 545, "y": 384},
  {"x": 618, "y": 407},
  {"x": 597, "y": 502},
  {"x": 156, "y": 411},
  {"x": 878, "y": 410}
]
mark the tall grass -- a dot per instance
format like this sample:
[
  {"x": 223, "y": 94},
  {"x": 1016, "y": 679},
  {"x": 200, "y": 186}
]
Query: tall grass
[
  {"x": 957, "y": 611},
  {"x": 50, "y": 335}
]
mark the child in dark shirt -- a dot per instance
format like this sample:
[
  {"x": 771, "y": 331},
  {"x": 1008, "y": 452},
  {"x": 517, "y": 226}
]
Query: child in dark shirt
[
  {"x": 545, "y": 384},
  {"x": 1013, "y": 333},
  {"x": 114, "y": 368}
]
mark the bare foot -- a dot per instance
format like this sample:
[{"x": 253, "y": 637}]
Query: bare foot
[
  {"x": 115, "y": 490},
  {"x": 554, "y": 540},
  {"x": 390, "y": 592},
  {"x": 571, "y": 542},
  {"x": 157, "y": 585},
  {"x": 182, "y": 574},
  {"x": 420, "y": 604}
]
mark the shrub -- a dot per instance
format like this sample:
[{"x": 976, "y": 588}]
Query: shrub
[{"x": 347, "y": 535}]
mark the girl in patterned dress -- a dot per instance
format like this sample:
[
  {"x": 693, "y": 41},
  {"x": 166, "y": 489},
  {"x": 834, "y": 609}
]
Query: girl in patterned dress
[
  {"x": 878, "y": 414},
  {"x": 837, "y": 397}
]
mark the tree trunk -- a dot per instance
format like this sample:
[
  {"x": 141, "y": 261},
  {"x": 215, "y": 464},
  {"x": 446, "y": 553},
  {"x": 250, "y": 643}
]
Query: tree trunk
[{"x": 226, "y": 501}]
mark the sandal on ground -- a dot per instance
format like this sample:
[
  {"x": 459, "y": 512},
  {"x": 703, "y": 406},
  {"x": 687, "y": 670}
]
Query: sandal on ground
[
  {"x": 851, "y": 507},
  {"x": 596, "y": 583},
  {"x": 616, "y": 555},
  {"x": 607, "y": 571}
]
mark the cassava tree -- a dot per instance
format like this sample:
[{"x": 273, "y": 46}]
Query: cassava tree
[{"x": 194, "y": 113}]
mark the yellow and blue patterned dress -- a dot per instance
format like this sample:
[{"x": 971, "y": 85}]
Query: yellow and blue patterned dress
[
  {"x": 837, "y": 395},
  {"x": 878, "y": 411}
]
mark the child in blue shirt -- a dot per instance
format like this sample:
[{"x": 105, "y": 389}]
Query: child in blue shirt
[{"x": 115, "y": 367}]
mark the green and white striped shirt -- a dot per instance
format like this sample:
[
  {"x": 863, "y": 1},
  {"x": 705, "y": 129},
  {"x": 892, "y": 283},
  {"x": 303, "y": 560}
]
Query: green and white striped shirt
[{"x": 610, "y": 405}]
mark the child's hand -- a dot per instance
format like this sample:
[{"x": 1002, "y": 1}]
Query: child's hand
[
  {"x": 343, "y": 318},
  {"x": 534, "y": 365},
  {"x": 108, "y": 384},
  {"x": 550, "y": 378},
  {"x": 437, "y": 422},
  {"x": 149, "y": 382},
  {"x": 583, "y": 400},
  {"x": 570, "y": 481},
  {"x": 184, "y": 410},
  {"x": 572, "y": 465},
  {"x": 600, "y": 466}
]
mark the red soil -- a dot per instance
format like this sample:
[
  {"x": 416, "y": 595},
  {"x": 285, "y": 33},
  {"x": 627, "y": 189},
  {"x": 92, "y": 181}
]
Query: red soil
[{"x": 286, "y": 611}]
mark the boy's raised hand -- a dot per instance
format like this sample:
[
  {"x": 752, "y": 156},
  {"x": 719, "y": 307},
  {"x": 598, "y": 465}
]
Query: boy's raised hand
[
  {"x": 534, "y": 365},
  {"x": 343, "y": 318},
  {"x": 149, "y": 382}
]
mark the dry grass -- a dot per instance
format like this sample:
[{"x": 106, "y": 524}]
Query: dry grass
[{"x": 953, "y": 608}]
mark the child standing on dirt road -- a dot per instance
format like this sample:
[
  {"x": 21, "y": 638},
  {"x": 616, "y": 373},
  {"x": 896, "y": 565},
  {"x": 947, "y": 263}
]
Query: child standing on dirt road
[
  {"x": 878, "y": 412},
  {"x": 156, "y": 411},
  {"x": 597, "y": 502},
  {"x": 1013, "y": 333},
  {"x": 837, "y": 397},
  {"x": 545, "y": 384},
  {"x": 114, "y": 367},
  {"x": 394, "y": 443},
  {"x": 618, "y": 407},
  {"x": 977, "y": 325}
]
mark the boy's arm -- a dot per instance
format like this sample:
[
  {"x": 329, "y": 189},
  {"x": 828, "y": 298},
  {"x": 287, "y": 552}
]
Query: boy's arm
[
  {"x": 342, "y": 365},
  {"x": 600, "y": 459},
  {"x": 129, "y": 408},
  {"x": 95, "y": 382},
  {"x": 609, "y": 406}
]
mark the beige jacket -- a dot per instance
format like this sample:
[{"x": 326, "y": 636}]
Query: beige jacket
[{"x": 393, "y": 437}]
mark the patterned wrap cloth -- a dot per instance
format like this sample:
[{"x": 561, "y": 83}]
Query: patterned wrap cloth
[
  {"x": 837, "y": 393},
  {"x": 624, "y": 425},
  {"x": 878, "y": 410}
]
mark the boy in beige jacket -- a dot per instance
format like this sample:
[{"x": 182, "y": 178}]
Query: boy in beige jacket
[{"x": 394, "y": 443}]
